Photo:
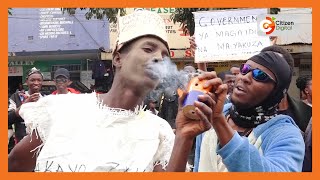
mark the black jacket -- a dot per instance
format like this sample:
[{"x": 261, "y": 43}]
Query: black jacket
[
  {"x": 299, "y": 111},
  {"x": 307, "y": 163},
  {"x": 15, "y": 102},
  {"x": 13, "y": 119},
  {"x": 168, "y": 109}
]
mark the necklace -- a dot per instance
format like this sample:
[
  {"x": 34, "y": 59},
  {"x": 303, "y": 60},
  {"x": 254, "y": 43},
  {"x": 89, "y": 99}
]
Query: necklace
[{"x": 245, "y": 133}]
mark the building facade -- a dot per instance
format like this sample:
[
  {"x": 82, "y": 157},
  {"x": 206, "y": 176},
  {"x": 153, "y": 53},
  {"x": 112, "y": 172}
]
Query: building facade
[{"x": 47, "y": 38}]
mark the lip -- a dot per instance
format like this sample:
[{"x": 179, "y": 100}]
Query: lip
[
  {"x": 151, "y": 74},
  {"x": 36, "y": 87},
  {"x": 239, "y": 89}
]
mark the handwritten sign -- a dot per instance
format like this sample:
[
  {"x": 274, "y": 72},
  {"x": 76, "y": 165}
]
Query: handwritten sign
[{"x": 228, "y": 35}]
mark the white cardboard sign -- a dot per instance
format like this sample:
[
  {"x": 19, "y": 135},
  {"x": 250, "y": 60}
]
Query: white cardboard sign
[{"x": 228, "y": 35}]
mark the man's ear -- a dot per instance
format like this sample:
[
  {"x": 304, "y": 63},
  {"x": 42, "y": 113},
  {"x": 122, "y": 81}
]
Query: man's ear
[{"x": 117, "y": 61}]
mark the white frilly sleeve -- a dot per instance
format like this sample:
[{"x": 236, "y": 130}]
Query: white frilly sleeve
[
  {"x": 36, "y": 117},
  {"x": 166, "y": 137}
]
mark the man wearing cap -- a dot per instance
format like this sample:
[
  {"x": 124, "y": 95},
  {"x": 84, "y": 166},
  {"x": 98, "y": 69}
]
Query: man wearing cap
[
  {"x": 296, "y": 109},
  {"x": 112, "y": 132},
  {"x": 249, "y": 135},
  {"x": 34, "y": 80},
  {"x": 62, "y": 80}
]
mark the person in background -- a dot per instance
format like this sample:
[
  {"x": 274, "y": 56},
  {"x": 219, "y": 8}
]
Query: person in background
[
  {"x": 304, "y": 83},
  {"x": 227, "y": 78},
  {"x": 152, "y": 107},
  {"x": 10, "y": 135},
  {"x": 34, "y": 79},
  {"x": 307, "y": 162},
  {"x": 168, "y": 107},
  {"x": 235, "y": 70},
  {"x": 20, "y": 88},
  {"x": 62, "y": 81},
  {"x": 189, "y": 69}
]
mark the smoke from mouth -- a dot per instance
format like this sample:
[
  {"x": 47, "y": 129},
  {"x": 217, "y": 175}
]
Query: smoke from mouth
[{"x": 170, "y": 79}]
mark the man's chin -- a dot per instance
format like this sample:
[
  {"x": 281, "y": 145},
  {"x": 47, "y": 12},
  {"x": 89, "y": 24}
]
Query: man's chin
[
  {"x": 61, "y": 87},
  {"x": 238, "y": 104},
  {"x": 36, "y": 90},
  {"x": 241, "y": 106}
]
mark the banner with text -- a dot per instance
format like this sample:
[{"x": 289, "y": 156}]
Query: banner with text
[
  {"x": 176, "y": 37},
  {"x": 49, "y": 29},
  {"x": 228, "y": 35}
]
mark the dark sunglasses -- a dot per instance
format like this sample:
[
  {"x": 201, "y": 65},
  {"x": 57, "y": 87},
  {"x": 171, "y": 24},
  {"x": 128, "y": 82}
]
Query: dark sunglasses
[
  {"x": 63, "y": 80},
  {"x": 257, "y": 74}
]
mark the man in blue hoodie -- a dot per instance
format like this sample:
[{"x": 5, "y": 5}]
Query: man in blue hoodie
[{"x": 249, "y": 135}]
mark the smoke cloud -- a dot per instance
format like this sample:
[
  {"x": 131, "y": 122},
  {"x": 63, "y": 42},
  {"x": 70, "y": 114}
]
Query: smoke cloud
[{"x": 169, "y": 76}]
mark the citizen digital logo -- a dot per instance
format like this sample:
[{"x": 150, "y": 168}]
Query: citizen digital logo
[
  {"x": 284, "y": 25},
  {"x": 270, "y": 24}
]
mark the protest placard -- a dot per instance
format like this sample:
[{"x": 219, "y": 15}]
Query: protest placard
[{"x": 228, "y": 35}]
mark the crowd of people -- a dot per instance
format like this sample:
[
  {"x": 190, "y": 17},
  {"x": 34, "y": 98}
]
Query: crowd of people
[{"x": 247, "y": 122}]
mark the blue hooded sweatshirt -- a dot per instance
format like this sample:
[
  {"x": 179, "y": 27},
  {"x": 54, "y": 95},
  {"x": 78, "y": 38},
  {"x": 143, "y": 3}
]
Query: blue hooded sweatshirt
[{"x": 281, "y": 149}]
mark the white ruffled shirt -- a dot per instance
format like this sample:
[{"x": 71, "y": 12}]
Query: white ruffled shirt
[{"x": 80, "y": 134}]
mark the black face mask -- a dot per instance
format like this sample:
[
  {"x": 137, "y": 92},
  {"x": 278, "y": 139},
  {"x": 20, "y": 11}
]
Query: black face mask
[{"x": 253, "y": 120}]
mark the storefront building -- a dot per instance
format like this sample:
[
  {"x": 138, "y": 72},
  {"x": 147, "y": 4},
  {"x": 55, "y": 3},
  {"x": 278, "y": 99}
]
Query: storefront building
[{"x": 48, "y": 39}]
